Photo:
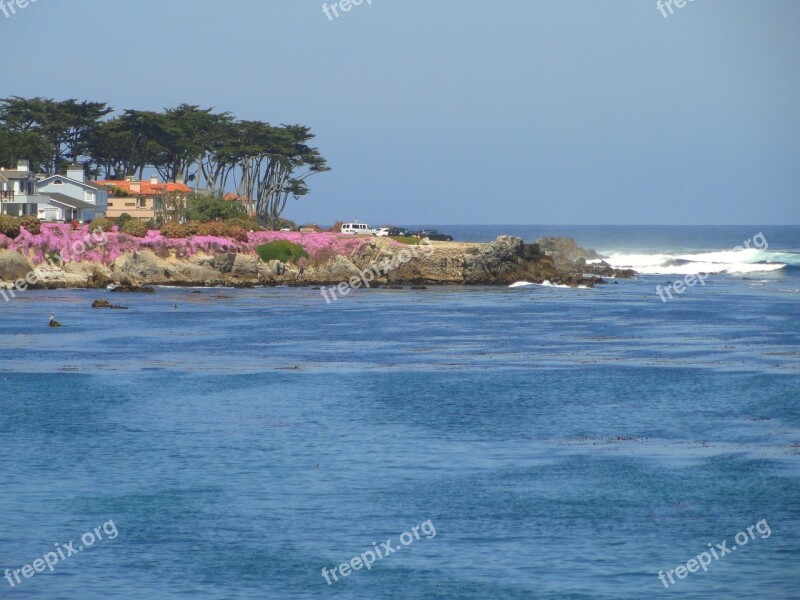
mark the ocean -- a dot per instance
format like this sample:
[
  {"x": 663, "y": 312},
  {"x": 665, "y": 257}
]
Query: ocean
[{"x": 454, "y": 442}]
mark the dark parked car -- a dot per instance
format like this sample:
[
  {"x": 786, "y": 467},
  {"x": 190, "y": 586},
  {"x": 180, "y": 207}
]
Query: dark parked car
[
  {"x": 434, "y": 235},
  {"x": 400, "y": 231}
]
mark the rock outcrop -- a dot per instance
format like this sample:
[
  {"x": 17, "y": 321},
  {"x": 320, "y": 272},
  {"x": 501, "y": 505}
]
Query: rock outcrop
[
  {"x": 565, "y": 251},
  {"x": 571, "y": 258},
  {"x": 13, "y": 266},
  {"x": 385, "y": 262}
]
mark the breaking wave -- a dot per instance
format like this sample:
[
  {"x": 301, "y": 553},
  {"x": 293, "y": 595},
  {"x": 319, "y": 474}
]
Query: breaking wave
[{"x": 749, "y": 260}]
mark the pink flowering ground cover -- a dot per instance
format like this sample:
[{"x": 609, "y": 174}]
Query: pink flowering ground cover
[{"x": 82, "y": 244}]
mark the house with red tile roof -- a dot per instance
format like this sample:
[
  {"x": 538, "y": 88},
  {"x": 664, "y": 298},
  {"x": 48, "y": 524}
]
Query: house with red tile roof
[{"x": 142, "y": 200}]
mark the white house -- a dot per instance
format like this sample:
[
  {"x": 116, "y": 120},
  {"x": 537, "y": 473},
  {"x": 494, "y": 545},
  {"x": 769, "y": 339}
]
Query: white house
[
  {"x": 18, "y": 191},
  {"x": 71, "y": 197}
]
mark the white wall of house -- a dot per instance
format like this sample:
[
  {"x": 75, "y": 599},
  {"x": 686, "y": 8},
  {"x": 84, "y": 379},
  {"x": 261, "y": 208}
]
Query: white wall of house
[
  {"x": 74, "y": 188},
  {"x": 50, "y": 213},
  {"x": 20, "y": 195}
]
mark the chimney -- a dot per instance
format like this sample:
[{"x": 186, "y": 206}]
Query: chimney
[
  {"x": 23, "y": 165},
  {"x": 154, "y": 180},
  {"x": 76, "y": 172}
]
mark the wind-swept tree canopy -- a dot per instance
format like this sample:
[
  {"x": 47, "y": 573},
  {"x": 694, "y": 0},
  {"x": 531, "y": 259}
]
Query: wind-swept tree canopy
[
  {"x": 265, "y": 164},
  {"x": 65, "y": 125}
]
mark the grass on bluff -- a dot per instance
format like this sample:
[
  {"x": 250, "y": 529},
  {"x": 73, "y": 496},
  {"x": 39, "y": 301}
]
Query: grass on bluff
[
  {"x": 281, "y": 250},
  {"x": 404, "y": 239}
]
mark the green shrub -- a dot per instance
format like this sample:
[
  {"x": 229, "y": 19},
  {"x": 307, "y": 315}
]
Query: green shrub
[
  {"x": 123, "y": 218},
  {"x": 245, "y": 222},
  {"x": 9, "y": 226},
  {"x": 191, "y": 228},
  {"x": 134, "y": 228},
  {"x": 210, "y": 208},
  {"x": 282, "y": 223},
  {"x": 174, "y": 230},
  {"x": 237, "y": 233},
  {"x": 31, "y": 223},
  {"x": 281, "y": 250},
  {"x": 215, "y": 228},
  {"x": 102, "y": 224},
  {"x": 116, "y": 192}
]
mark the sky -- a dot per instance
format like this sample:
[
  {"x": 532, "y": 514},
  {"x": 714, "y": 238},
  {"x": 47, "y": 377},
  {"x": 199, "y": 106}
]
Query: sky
[{"x": 464, "y": 111}]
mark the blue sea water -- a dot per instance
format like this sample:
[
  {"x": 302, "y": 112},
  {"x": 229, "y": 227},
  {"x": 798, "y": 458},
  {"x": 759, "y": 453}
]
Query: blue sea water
[{"x": 563, "y": 443}]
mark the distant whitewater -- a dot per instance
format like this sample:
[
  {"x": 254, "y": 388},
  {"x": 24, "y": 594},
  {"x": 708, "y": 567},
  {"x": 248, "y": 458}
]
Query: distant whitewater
[{"x": 731, "y": 262}]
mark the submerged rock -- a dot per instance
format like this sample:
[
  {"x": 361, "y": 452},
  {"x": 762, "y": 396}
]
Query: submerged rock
[{"x": 100, "y": 303}]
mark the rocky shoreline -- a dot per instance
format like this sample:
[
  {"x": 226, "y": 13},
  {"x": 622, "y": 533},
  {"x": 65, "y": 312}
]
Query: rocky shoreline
[{"x": 504, "y": 261}]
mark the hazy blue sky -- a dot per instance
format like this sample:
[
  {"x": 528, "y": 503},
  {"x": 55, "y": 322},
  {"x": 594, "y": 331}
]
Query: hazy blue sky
[{"x": 459, "y": 111}]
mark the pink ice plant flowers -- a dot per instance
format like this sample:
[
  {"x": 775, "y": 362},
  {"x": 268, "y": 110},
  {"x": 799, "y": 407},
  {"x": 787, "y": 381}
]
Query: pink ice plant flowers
[{"x": 62, "y": 239}]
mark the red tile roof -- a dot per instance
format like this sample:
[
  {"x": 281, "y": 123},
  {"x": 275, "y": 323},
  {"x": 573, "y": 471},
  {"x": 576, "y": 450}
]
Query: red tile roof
[{"x": 146, "y": 188}]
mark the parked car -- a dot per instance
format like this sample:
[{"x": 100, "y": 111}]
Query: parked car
[
  {"x": 433, "y": 235},
  {"x": 400, "y": 232},
  {"x": 382, "y": 232},
  {"x": 357, "y": 229}
]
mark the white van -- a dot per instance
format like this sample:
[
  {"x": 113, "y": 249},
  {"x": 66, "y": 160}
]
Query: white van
[{"x": 357, "y": 229}]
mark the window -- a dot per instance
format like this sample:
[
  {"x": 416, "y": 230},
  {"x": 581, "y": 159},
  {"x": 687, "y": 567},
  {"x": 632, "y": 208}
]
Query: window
[
  {"x": 130, "y": 204},
  {"x": 110, "y": 204}
]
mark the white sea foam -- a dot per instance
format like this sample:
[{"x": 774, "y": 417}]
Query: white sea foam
[
  {"x": 747, "y": 260},
  {"x": 547, "y": 283}
]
